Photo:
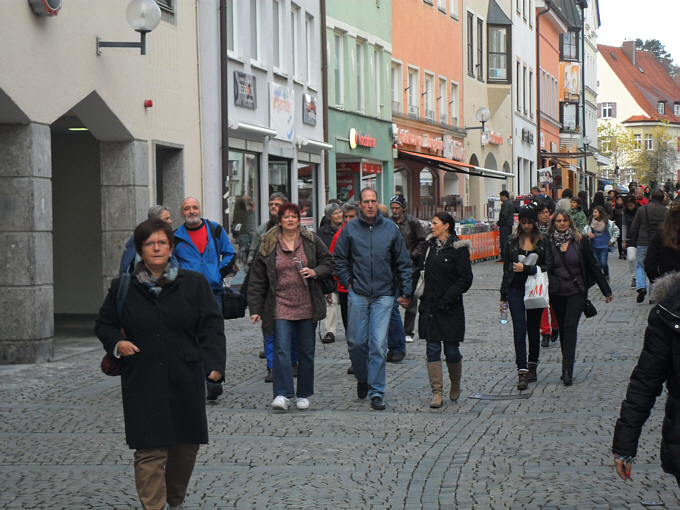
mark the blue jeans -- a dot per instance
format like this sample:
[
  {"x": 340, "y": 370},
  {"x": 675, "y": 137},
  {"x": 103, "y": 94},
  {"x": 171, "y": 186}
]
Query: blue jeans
[
  {"x": 396, "y": 338},
  {"x": 601, "y": 255},
  {"x": 451, "y": 351},
  {"x": 525, "y": 323},
  {"x": 640, "y": 276},
  {"x": 368, "y": 320},
  {"x": 269, "y": 349},
  {"x": 285, "y": 334}
]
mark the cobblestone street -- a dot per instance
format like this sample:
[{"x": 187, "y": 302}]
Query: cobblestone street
[{"x": 62, "y": 441}]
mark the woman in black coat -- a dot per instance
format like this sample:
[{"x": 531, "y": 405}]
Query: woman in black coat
[
  {"x": 663, "y": 252},
  {"x": 574, "y": 271},
  {"x": 525, "y": 242},
  {"x": 170, "y": 338},
  {"x": 448, "y": 275},
  {"x": 659, "y": 363}
]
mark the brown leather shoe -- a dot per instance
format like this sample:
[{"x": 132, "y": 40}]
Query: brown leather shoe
[{"x": 523, "y": 383}]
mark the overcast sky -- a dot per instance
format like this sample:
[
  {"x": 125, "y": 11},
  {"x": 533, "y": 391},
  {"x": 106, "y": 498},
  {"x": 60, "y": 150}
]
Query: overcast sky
[{"x": 632, "y": 19}]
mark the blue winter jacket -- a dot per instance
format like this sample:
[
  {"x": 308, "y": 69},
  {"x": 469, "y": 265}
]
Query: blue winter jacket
[
  {"x": 368, "y": 256},
  {"x": 209, "y": 262}
]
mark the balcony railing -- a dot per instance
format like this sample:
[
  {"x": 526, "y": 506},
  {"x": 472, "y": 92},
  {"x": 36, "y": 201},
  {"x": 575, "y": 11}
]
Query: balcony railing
[
  {"x": 443, "y": 118},
  {"x": 413, "y": 112},
  {"x": 429, "y": 116},
  {"x": 396, "y": 108}
]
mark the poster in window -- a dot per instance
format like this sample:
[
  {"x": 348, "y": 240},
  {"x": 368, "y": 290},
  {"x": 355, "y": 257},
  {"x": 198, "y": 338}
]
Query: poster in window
[
  {"x": 569, "y": 116},
  {"x": 571, "y": 81},
  {"x": 244, "y": 90},
  {"x": 545, "y": 177},
  {"x": 281, "y": 111}
]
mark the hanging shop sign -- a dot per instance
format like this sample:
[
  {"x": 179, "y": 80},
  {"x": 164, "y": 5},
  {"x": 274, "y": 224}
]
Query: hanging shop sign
[
  {"x": 571, "y": 81},
  {"x": 309, "y": 109},
  {"x": 528, "y": 136},
  {"x": 494, "y": 138},
  {"x": 281, "y": 111},
  {"x": 453, "y": 149},
  {"x": 244, "y": 90},
  {"x": 424, "y": 140},
  {"x": 365, "y": 140}
]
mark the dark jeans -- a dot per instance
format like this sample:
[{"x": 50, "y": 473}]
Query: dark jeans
[
  {"x": 342, "y": 296},
  {"x": 503, "y": 234},
  {"x": 269, "y": 349},
  {"x": 619, "y": 242},
  {"x": 302, "y": 333},
  {"x": 396, "y": 339},
  {"x": 451, "y": 351},
  {"x": 218, "y": 297},
  {"x": 525, "y": 323},
  {"x": 410, "y": 317},
  {"x": 568, "y": 311}
]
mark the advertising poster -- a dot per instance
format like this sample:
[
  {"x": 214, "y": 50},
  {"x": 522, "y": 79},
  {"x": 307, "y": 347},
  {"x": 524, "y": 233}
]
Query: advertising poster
[
  {"x": 244, "y": 90},
  {"x": 281, "y": 111},
  {"x": 545, "y": 177},
  {"x": 345, "y": 187}
]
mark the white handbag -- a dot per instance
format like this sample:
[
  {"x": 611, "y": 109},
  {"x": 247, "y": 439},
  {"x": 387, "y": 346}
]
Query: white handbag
[
  {"x": 420, "y": 287},
  {"x": 536, "y": 291}
]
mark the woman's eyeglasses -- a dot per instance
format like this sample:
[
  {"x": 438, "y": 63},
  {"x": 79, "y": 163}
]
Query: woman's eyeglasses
[{"x": 151, "y": 244}]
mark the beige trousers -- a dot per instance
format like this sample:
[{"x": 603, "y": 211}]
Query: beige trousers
[{"x": 331, "y": 320}]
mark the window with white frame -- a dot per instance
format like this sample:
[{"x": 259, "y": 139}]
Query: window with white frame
[
  {"x": 454, "y": 103},
  {"x": 441, "y": 5},
  {"x": 377, "y": 61},
  {"x": 443, "y": 103},
  {"x": 480, "y": 50},
  {"x": 661, "y": 107},
  {"x": 338, "y": 69},
  {"x": 277, "y": 32},
  {"x": 607, "y": 110},
  {"x": 397, "y": 87},
  {"x": 569, "y": 46},
  {"x": 676, "y": 109},
  {"x": 518, "y": 86},
  {"x": 360, "y": 76},
  {"x": 470, "y": 44},
  {"x": 649, "y": 142},
  {"x": 638, "y": 141},
  {"x": 454, "y": 9},
  {"x": 524, "y": 9},
  {"x": 231, "y": 26},
  {"x": 294, "y": 37},
  {"x": 531, "y": 93},
  {"x": 255, "y": 30},
  {"x": 532, "y": 13},
  {"x": 519, "y": 6},
  {"x": 413, "y": 94},
  {"x": 309, "y": 47},
  {"x": 498, "y": 56},
  {"x": 427, "y": 95},
  {"x": 524, "y": 89}
]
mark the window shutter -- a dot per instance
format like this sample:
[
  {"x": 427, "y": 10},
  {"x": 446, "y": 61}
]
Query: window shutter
[
  {"x": 613, "y": 110},
  {"x": 599, "y": 110}
]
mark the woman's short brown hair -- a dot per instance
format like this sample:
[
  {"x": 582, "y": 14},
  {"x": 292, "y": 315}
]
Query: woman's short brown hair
[
  {"x": 149, "y": 227},
  {"x": 287, "y": 207}
]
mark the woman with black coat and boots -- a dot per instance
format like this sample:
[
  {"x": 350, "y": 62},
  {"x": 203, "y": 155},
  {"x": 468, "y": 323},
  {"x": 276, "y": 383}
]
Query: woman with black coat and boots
[
  {"x": 448, "y": 275},
  {"x": 629, "y": 212},
  {"x": 659, "y": 363},
  {"x": 527, "y": 251},
  {"x": 663, "y": 252},
  {"x": 574, "y": 271}
]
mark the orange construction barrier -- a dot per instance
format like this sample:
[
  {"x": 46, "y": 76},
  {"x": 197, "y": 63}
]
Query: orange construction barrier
[{"x": 484, "y": 245}]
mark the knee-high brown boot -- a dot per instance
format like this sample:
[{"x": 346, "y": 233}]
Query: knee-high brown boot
[
  {"x": 455, "y": 372},
  {"x": 434, "y": 372}
]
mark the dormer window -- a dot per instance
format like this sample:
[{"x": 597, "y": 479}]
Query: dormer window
[
  {"x": 661, "y": 107},
  {"x": 676, "y": 109}
]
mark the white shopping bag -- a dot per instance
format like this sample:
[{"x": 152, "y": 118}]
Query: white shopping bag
[{"x": 536, "y": 291}]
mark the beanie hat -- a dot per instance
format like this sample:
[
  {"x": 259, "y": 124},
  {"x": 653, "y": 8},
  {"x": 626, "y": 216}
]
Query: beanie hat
[
  {"x": 528, "y": 211},
  {"x": 398, "y": 199}
]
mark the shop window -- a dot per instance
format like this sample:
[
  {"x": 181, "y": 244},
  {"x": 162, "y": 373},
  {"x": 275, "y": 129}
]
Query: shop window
[
  {"x": 306, "y": 196},
  {"x": 243, "y": 196},
  {"x": 279, "y": 176}
]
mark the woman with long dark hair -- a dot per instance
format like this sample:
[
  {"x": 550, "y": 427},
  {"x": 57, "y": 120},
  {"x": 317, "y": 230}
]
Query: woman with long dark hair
[
  {"x": 527, "y": 251},
  {"x": 448, "y": 275},
  {"x": 574, "y": 271}
]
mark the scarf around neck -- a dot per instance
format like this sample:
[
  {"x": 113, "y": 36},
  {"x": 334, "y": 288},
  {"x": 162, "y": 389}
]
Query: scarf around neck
[
  {"x": 153, "y": 284},
  {"x": 598, "y": 226},
  {"x": 559, "y": 238}
]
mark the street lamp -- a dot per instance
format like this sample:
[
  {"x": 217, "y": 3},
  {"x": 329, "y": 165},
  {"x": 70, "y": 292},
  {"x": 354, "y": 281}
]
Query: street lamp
[
  {"x": 482, "y": 115},
  {"x": 143, "y": 16}
]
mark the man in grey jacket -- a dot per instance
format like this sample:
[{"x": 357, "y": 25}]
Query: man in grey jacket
[
  {"x": 648, "y": 219},
  {"x": 369, "y": 252}
]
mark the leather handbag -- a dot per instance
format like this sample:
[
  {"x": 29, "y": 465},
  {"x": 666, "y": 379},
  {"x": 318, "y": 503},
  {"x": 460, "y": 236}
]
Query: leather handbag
[
  {"x": 111, "y": 365},
  {"x": 420, "y": 286},
  {"x": 589, "y": 309},
  {"x": 233, "y": 304},
  {"x": 328, "y": 286}
]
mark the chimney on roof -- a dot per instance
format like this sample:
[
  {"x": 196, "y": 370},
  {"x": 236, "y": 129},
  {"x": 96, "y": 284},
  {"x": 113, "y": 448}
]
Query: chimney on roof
[{"x": 628, "y": 48}]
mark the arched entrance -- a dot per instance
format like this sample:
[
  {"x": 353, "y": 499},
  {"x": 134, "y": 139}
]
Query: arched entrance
[{"x": 491, "y": 186}]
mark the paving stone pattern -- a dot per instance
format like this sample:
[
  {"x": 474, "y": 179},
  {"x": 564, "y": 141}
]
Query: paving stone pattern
[{"x": 62, "y": 436}]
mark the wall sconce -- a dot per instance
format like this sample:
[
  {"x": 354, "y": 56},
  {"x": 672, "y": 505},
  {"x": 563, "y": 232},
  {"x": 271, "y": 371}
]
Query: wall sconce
[
  {"x": 143, "y": 16},
  {"x": 483, "y": 115}
]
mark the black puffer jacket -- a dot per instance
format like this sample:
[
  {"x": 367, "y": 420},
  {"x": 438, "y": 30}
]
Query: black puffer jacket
[
  {"x": 545, "y": 262},
  {"x": 448, "y": 275},
  {"x": 659, "y": 362}
]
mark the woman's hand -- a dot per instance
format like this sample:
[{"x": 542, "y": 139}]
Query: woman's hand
[
  {"x": 126, "y": 348},
  {"x": 255, "y": 318},
  {"x": 591, "y": 235},
  {"x": 517, "y": 267},
  {"x": 215, "y": 376},
  {"x": 503, "y": 303},
  {"x": 308, "y": 273},
  {"x": 623, "y": 469},
  {"x": 608, "y": 299}
]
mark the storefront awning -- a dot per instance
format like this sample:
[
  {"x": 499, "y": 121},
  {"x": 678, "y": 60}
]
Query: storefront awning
[{"x": 449, "y": 165}]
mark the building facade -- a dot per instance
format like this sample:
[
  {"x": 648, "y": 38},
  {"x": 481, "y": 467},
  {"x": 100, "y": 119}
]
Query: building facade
[{"x": 87, "y": 143}]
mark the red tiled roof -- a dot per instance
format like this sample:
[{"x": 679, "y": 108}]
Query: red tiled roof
[
  {"x": 639, "y": 118},
  {"x": 646, "y": 88}
]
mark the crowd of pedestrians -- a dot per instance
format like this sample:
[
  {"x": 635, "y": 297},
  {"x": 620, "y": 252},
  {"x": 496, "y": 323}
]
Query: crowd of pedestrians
[{"x": 366, "y": 262}]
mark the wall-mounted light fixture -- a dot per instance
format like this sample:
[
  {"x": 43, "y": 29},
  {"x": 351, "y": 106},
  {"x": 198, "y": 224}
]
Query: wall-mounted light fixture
[
  {"x": 483, "y": 115},
  {"x": 143, "y": 16}
]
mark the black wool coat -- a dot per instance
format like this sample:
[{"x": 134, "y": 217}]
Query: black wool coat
[
  {"x": 180, "y": 336},
  {"x": 659, "y": 363},
  {"x": 448, "y": 275}
]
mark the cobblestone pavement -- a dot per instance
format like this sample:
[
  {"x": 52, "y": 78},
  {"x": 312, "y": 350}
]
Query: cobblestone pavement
[{"x": 62, "y": 440}]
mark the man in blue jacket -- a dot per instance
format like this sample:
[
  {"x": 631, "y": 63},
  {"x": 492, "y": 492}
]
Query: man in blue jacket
[
  {"x": 368, "y": 253},
  {"x": 203, "y": 246}
]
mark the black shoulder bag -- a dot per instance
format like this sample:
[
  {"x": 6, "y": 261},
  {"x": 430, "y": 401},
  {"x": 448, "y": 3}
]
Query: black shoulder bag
[
  {"x": 111, "y": 365},
  {"x": 589, "y": 309},
  {"x": 233, "y": 302}
]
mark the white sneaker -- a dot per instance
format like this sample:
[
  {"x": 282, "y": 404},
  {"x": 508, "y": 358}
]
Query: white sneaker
[
  {"x": 281, "y": 403},
  {"x": 409, "y": 339},
  {"x": 302, "y": 404}
]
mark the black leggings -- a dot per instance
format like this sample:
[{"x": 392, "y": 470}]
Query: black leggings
[{"x": 568, "y": 311}]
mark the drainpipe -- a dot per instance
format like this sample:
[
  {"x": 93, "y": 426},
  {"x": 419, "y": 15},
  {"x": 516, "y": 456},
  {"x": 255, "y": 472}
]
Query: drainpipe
[
  {"x": 583, "y": 91},
  {"x": 224, "y": 106},
  {"x": 538, "y": 82},
  {"x": 324, "y": 94}
]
